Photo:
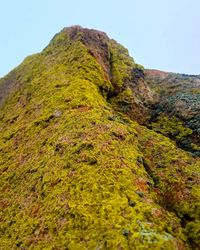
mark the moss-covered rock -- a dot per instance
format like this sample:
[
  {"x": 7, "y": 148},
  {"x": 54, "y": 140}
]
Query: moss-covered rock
[{"x": 78, "y": 174}]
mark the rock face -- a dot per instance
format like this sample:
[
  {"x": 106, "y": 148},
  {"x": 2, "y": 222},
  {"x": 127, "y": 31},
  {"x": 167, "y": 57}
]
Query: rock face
[
  {"x": 82, "y": 166},
  {"x": 179, "y": 97}
]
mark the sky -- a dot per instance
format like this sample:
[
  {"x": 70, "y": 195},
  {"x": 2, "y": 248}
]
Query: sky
[{"x": 159, "y": 34}]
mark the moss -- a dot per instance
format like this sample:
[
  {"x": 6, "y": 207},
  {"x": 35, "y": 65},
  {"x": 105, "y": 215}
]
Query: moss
[
  {"x": 123, "y": 101},
  {"x": 121, "y": 64},
  {"x": 176, "y": 129},
  {"x": 178, "y": 188},
  {"x": 71, "y": 178},
  {"x": 193, "y": 232},
  {"x": 171, "y": 127}
]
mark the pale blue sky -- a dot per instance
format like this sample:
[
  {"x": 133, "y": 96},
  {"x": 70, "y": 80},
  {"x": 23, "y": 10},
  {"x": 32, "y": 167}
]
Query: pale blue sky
[{"x": 161, "y": 34}]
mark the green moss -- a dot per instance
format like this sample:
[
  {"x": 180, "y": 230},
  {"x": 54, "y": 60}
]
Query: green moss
[
  {"x": 178, "y": 174},
  {"x": 71, "y": 178},
  {"x": 121, "y": 64},
  {"x": 171, "y": 127},
  {"x": 123, "y": 100},
  {"x": 193, "y": 232}
]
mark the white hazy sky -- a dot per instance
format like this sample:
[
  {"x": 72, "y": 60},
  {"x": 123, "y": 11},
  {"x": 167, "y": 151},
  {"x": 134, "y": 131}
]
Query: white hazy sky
[{"x": 161, "y": 34}]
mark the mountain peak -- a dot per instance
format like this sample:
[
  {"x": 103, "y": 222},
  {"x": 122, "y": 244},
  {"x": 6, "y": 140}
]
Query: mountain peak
[
  {"x": 90, "y": 150},
  {"x": 87, "y": 34}
]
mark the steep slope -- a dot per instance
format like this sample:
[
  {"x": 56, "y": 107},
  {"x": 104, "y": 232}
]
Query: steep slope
[{"x": 77, "y": 169}]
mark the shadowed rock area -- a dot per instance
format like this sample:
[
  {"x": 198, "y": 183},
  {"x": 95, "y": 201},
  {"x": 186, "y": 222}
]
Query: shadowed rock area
[{"x": 178, "y": 102}]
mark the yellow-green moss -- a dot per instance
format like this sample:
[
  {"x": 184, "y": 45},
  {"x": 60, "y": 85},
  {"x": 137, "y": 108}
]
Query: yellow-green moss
[
  {"x": 121, "y": 64},
  {"x": 172, "y": 127},
  {"x": 71, "y": 171}
]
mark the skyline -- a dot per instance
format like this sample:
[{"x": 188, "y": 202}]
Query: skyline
[{"x": 161, "y": 36}]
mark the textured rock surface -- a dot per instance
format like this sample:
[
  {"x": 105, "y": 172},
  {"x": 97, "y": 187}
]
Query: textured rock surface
[
  {"x": 179, "y": 98},
  {"x": 78, "y": 170}
]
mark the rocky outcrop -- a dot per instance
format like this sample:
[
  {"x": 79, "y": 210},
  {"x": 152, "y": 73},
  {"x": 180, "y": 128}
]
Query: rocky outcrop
[
  {"x": 179, "y": 98},
  {"x": 80, "y": 166}
]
